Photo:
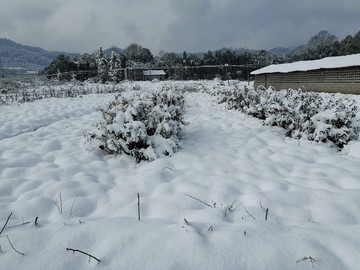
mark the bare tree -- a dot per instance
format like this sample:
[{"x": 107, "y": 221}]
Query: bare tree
[
  {"x": 133, "y": 51},
  {"x": 136, "y": 52},
  {"x": 322, "y": 39}
]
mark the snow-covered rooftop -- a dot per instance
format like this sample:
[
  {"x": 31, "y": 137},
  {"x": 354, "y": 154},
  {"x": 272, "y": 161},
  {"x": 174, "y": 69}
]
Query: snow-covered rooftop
[
  {"x": 325, "y": 63},
  {"x": 154, "y": 72}
]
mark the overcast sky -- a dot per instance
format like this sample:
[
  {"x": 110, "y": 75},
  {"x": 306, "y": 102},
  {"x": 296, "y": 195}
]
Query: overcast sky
[{"x": 174, "y": 25}]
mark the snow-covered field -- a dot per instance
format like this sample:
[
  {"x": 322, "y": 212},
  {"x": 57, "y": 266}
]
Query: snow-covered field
[{"x": 200, "y": 208}]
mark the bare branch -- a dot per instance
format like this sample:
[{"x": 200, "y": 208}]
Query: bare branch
[
  {"x": 262, "y": 206},
  {"x": 186, "y": 222},
  {"x": 233, "y": 203},
  {"x": 13, "y": 246},
  {"x": 138, "y": 196},
  {"x": 61, "y": 204},
  {"x": 85, "y": 253},
  {"x": 266, "y": 210},
  {"x": 6, "y": 223},
  {"x": 199, "y": 200},
  {"x": 72, "y": 206},
  {"x": 17, "y": 225},
  {"x": 230, "y": 209},
  {"x": 249, "y": 213}
]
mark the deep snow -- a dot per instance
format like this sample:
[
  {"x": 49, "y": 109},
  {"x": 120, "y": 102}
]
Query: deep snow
[{"x": 312, "y": 193}]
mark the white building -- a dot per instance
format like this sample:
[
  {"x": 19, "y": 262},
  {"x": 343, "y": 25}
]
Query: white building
[
  {"x": 330, "y": 74},
  {"x": 154, "y": 74}
]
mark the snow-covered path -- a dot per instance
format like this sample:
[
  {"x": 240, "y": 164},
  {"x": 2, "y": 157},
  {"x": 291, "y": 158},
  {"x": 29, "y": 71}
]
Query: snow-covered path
[{"x": 311, "y": 191}]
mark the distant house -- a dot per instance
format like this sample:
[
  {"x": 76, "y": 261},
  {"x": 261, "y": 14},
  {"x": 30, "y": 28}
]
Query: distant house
[
  {"x": 134, "y": 71},
  {"x": 149, "y": 75},
  {"x": 331, "y": 74},
  {"x": 13, "y": 71},
  {"x": 137, "y": 71}
]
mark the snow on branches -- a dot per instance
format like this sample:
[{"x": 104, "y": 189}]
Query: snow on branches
[
  {"x": 143, "y": 125},
  {"x": 317, "y": 117}
]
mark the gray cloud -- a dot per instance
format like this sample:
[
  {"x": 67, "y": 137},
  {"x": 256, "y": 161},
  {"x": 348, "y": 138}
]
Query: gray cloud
[
  {"x": 23, "y": 19},
  {"x": 174, "y": 25},
  {"x": 131, "y": 30},
  {"x": 260, "y": 24}
]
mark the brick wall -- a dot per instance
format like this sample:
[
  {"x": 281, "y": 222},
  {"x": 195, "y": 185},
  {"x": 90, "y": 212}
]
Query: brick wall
[{"x": 343, "y": 80}]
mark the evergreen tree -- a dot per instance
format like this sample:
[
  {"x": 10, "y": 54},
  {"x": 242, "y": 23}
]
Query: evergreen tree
[
  {"x": 350, "y": 44},
  {"x": 185, "y": 58},
  {"x": 262, "y": 58},
  {"x": 193, "y": 60},
  {"x": 208, "y": 58},
  {"x": 356, "y": 46},
  {"x": 146, "y": 56},
  {"x": 218, "y": 58},
  {"x": 170, "y": 59},
  {"x": 115, "y": 73},
  {"x": 60, "y": 65},
  {"x": 102, "y": 66}
]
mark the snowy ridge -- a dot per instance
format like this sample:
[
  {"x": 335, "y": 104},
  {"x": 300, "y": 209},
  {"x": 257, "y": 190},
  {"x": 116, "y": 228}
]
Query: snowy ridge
[{"x": 325, "y": 63}]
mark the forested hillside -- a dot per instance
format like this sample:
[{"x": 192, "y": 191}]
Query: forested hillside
[{"x": 13, "y": 54}]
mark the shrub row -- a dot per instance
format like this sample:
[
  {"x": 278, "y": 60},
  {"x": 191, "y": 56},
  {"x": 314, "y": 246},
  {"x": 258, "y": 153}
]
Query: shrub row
[
  {"x": 317, "y": 117},
  {"x": 70, "y": 90}
]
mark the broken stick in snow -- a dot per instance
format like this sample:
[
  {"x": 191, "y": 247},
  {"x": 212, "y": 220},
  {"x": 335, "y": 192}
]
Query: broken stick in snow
[
  {"x": 138, "y": 196},
  {"x": 13, "y": 246},
  {"x": 6, "y": 223},
  {"x": 266, "y": 210},
  {"x": 85, "y": 253}
]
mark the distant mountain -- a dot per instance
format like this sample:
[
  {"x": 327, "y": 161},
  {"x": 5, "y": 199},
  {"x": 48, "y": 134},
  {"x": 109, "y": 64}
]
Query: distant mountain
[
  {"x": 280, "y": 51},
  {"x": 115, "y": 49},
  {"x": 16, "y": 55}
]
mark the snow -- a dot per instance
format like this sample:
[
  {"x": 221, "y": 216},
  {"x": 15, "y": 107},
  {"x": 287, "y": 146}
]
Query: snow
[
  {"x": 311, "y": 191},
  {"x": 325, "y": 63},
  {"x": 154, "y": 72}
]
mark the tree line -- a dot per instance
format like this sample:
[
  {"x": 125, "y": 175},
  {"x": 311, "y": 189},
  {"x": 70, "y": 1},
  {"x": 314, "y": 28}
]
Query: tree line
[
  {"x": 324, "y": 44},
  {"x": 225, "y": 63}
]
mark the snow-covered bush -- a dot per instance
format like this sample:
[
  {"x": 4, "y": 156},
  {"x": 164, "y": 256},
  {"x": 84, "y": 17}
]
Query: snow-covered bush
[
  {"x": 317, "y": 117},
  {"x": 53, "y": 90},
  {"x": 145, "y": 126}
]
